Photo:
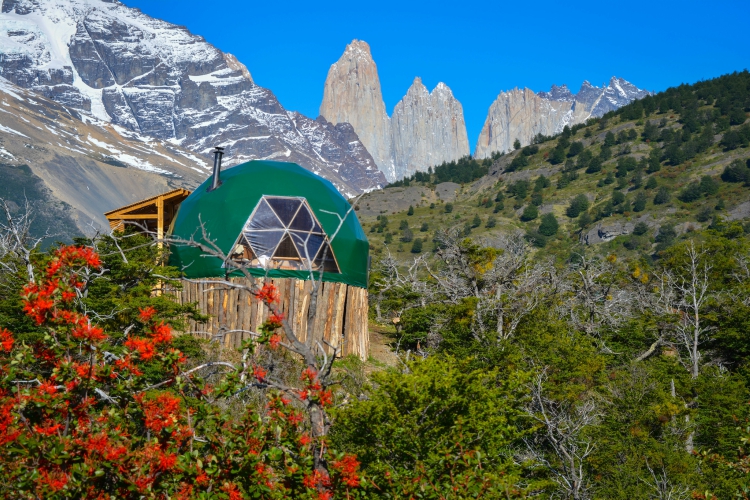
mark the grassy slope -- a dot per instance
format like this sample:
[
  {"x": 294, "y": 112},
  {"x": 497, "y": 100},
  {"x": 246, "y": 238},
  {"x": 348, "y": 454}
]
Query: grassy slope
[{"x": 393, "y": 202}]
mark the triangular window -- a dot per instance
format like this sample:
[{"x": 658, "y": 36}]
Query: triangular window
[{"x": 283, "y": 233}]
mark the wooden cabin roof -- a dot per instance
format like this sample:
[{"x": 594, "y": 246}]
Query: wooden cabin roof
[{"x": 157, "y": 211}]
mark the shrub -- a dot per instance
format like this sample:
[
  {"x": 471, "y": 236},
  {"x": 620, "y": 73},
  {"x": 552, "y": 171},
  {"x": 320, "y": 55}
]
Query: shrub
[
  {"x": 491, "y": 222},
  {"x": 498, "y": 207},
  {"x": 416, "y": 247},
  {"x": 535, "y": 238},
  {"x": 651, "y": 183},
  {"x": 407, "y": 235},
  {"x": 662, "y": 196},
  {"x": 549, "y": 225},
  {"x": 579, "y": 204},
  {"x": 476, "y": 222},
  {"x": 403, "y": 225},
  {"x": 424, "y": 228},
  {"x": 448, "y": 208},
  {"x": 737, "y": 171},
  {"x": 575, "y": 149},
  {"x": 530, "y": 213},
  {"x": 537, "y": 199},
  {"x": 640, "y": 229},
  {"x": 640, "y": 202}
]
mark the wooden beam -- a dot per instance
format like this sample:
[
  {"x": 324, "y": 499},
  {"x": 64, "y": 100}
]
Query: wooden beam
[
  {"x": 134, "y": 216},
  {"x": 160, "y": 219}
]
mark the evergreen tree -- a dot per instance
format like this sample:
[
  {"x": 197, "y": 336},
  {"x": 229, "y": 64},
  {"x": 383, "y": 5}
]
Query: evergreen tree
[
  {"x": 640, "y": 202},
  {"x": 516, "y": 144},
  {"x": 476, "y": 222},
  {"x": 662, "y": 196},
  {"x": 416, "y": 247},
  {"x": 651, "y": 183},
  {"x": 407, "y": 235},
  {"x": 425, "y": 227},
  {"x": 448, "y": 208},
  {"x": 640, "y": 229},
  {"x": 579, "y": 204},
  {"x": 529, "y": 213},
  {"x": 609, "y": 139},
  {"x": 491, "y": 222},
  {"x": 410, "y": 211},
  {"x": 549, "y": 225}
]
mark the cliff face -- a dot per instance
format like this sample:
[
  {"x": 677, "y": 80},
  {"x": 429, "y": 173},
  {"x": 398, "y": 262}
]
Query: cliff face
[
  {"x": 522, "y": 114},
  {"x": 426, "y": 128},
  {"x": 352, "y": 95},
  {"x": 158, "y": 80}
]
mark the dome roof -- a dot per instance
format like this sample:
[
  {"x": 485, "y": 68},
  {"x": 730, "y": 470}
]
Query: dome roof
[{"x": 276, "y": 219}]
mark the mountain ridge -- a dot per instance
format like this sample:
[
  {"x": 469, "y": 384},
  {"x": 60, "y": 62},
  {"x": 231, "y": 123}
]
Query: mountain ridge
[{"x": 157, "y": 79}]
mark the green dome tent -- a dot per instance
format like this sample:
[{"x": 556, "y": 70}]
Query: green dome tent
[{"x": 277, "y": 220}]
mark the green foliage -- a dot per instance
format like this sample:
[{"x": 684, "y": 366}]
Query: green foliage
[
  {"x": 476, "y": 221},
  {"x": 518, "y": 189},
  {"x": 531, "y": 212},
  {"x": 448, "y": 208},
  {"x": 491, "y": 222},
  {"x": 407, "y": 235},
  {"x": 424, "y": 227},
  {"x": 639, "y": 205},
  {"x": 578, "y": 205},
  {"x": 549, "y": 225},
  {"x": 442, "y": 419},
  {"x": 662, "y": 196},
  {"x": 410, "y": 211},
  {"x": 416, "y": 247},
  {"x": 516, "y": 144}
]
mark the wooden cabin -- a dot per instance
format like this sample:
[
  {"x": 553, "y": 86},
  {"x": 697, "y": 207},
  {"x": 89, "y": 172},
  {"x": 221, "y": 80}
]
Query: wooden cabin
[{"x": 284, "y": 225}]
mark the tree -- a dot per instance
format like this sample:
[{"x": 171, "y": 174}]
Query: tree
[
  {"x": 448, "y": 208},
  {"x": 410, "y": 211},
  {"x": 651, "y": 183},
  {"x": 736, "y": 171},
  {"x": 88, "y": 410},
  {"x": 640, "y": 229},
  {"x": 407, "y": 235},
  {"x": 662, "y": 196},
  {"x": 549, "y": 225},
  {"x": 609, "y": 139},
  {"x": 584, "y": 220},
  {"x": 563, "y": 431},
  {"x": 578, "y": 205},
  {"x": 516, "y": 144},
  {"x": 537, "y": 199},
  {"x": 402, "y": 433},
  {"x": 424, "y": 228},
  {"x": 575, "y": 149},
  {"x": 529, "y": 213},
  {"x": 388, "y": 238},
  {"x": 640, "y": 202},
  {"x": 417, "y": 246},
  {"x": 491, "y": 222}
]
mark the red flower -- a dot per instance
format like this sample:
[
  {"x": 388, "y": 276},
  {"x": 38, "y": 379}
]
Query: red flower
[
  {"x": 48, "y": 430},
  {"x": 326, "y": 398},
  {"x": 161, "y": 333},
  {"x": 259, "y": 373},
  {"x": 268, "y": 294},
  {"x": 6, "y": 340},
  {"x": 147, "y": 313},
  {"x": 160, "y": 412},
  {"x": 201, "y": 478},
  {"x": 348, "y": 467},
  {"x": 232, "y": 490},
  {"x": 145, "y": 347},
  {"x": 167, "y": 462},
  {"x": 274, "y": 341},
  {"x": 304, "y": 440},
  {"x": 55, "y": 480},
  {"x": 88, "y": 332},
  {"x": 275, "y": 320}
]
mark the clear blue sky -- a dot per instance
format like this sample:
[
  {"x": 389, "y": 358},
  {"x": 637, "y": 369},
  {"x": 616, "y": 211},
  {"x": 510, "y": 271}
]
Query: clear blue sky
[{"x": 477, "y": 48}]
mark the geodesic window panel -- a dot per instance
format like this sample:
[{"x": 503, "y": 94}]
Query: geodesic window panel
[{"x": 283, "y": 233}]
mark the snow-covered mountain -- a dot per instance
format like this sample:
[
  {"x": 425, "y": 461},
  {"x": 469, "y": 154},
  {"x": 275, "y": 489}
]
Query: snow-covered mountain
[
  {"x": 521, "y": 114},
  {"x": 76, "y": 167},
  {"x": 425, "y": 129},
  {"x": 120, "y": 66}
]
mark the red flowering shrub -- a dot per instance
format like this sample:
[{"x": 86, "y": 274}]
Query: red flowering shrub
[{"x": 79, "y": 419}]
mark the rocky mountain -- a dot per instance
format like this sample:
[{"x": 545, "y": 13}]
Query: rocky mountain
[
  {"x": 521, "y": 114},
  {"x": 122, "y": 67},
  {"x": 73, "y": 168},
  {"x": 426, "y": 128}
]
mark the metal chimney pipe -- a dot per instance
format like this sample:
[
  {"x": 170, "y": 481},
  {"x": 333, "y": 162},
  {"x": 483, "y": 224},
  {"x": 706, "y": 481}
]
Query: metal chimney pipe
[{"x": 216, "y": 181}]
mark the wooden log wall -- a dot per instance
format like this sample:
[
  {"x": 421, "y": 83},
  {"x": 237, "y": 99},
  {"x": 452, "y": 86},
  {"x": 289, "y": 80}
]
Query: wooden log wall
[{"x": 341, "y": 317}]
